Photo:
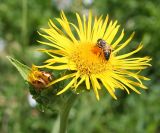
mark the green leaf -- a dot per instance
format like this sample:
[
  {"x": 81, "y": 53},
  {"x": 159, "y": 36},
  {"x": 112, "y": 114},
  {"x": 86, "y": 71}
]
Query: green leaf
[{"x": 23, "y": 69}]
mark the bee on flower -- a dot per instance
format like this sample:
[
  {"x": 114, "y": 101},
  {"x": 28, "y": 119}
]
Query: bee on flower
[
  {"x": 105, "y": 48},
  {"x": 90, "y": 57}
]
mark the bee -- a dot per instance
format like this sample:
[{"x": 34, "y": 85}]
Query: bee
[
  {"x": 42, "y": 80},
  {"x": 105, "y": 47}
]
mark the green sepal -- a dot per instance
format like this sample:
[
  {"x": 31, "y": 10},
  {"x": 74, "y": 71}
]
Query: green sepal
[
  {"x": 23, "y": 69},
  {"x": 48, "y": 98}
]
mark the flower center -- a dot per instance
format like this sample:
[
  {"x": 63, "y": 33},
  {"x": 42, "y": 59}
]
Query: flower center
[{"x": 89, "y": 59}]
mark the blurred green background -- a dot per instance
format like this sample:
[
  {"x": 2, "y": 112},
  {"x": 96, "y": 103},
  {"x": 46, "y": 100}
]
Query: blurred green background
[{"x": 19, "y": 22}]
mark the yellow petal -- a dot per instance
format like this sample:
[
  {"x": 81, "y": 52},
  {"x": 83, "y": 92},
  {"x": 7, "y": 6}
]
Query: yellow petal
[
  {"x": 125, "y": 82},
  {"x": 67, "y": 87},
  {"x": 51, "y": 24},
  {"x": 87, "y": 82},
  {"x": 118, "y": 40},
  {"x": 96, "y": 82},
  {"x": 131, "y": 53},
  {"x": 94, "y": 87},
  {"x": 95, "y": 29},
  {"x": 110, "y": 90},
  {"x": 124, "y": 44},
  {"x": 103, "y": 28},
  {"x": 80, "y": 82},
  {"x": 82, "y": 35},
  {"x": 62, "y": 78},
  {"x": 89, "y": 26},
  {"x": 57, "y": 52},
  {"x": 109, "y": 29},
  {"x": 58, "y": 60},
  {"x": 112, "y": 35},
  {"x": 65, "y": 24}
]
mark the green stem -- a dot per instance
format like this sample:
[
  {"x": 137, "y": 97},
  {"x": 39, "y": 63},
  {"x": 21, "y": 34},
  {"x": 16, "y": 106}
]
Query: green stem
[
  {"x": 24, "y": 24},
  {"x": 64, "y": 113}
]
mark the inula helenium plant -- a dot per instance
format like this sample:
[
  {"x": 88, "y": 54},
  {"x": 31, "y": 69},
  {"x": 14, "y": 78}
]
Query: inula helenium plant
[{"x": 87, "y": 57}]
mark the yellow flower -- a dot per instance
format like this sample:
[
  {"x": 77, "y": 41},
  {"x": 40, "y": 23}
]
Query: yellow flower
[{"x": 74, "y": 48}]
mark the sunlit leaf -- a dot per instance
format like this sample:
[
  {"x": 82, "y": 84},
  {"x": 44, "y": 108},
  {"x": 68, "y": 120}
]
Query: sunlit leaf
[{"x": 23, "y": 69}]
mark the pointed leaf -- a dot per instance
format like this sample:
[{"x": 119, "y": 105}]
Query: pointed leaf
[{"x": 23, "y": 69}]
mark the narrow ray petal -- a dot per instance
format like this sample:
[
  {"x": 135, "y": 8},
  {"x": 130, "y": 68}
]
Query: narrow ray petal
[
  {"x": 118, "y": 40},
  {"x": 89, "y": 26},
  {"x": 112, "y": 35},
  {"x": 87, "y": 82},
  {"x": 82, "y": 35},
  {"x": 103, "y": 28},
  {"x": 109, "y": 29},
  {"x": 95, "y": 89},
  {"x": 84, "y": 26},
  {"x": 131, "y": 53},
  {"x": 124, "y": 44},
  {"x": 60, "y": 67},
  {"x": 57, "y": 52},
  {"x": 51, "y": 24},
  {"x": 96, "y": 82},
  {"x": 95, "y": 29},
  {"x": 62, "y": 78},
  {"x": 67, "y": 86},
  {"x": 80, "y": 82},
  {"x": 125, "y": 82},
  {"x": 109, "y": 89}
]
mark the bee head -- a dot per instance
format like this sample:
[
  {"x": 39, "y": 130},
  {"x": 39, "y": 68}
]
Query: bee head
[{"x": 101, "y": 43}]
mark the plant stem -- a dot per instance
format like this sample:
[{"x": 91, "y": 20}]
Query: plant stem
[
  {"x": 64, "y": 113},
  {"x": 24, "y": 40}
]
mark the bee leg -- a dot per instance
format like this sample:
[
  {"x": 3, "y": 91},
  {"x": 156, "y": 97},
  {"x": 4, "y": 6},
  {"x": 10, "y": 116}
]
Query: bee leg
[{"x": 100, "y": 54}]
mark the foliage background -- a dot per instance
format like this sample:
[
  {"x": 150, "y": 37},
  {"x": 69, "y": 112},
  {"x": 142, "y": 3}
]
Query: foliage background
[{"x": 19, "y": 22}]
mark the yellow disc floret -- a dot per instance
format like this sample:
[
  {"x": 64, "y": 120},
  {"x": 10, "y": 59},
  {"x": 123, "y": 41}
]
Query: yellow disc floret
[{"x": 89, "y": 60}]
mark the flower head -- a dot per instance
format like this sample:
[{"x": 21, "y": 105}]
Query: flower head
[
  {"x": 75, "y": 48},
  {"x": 39, "y": 79}
]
